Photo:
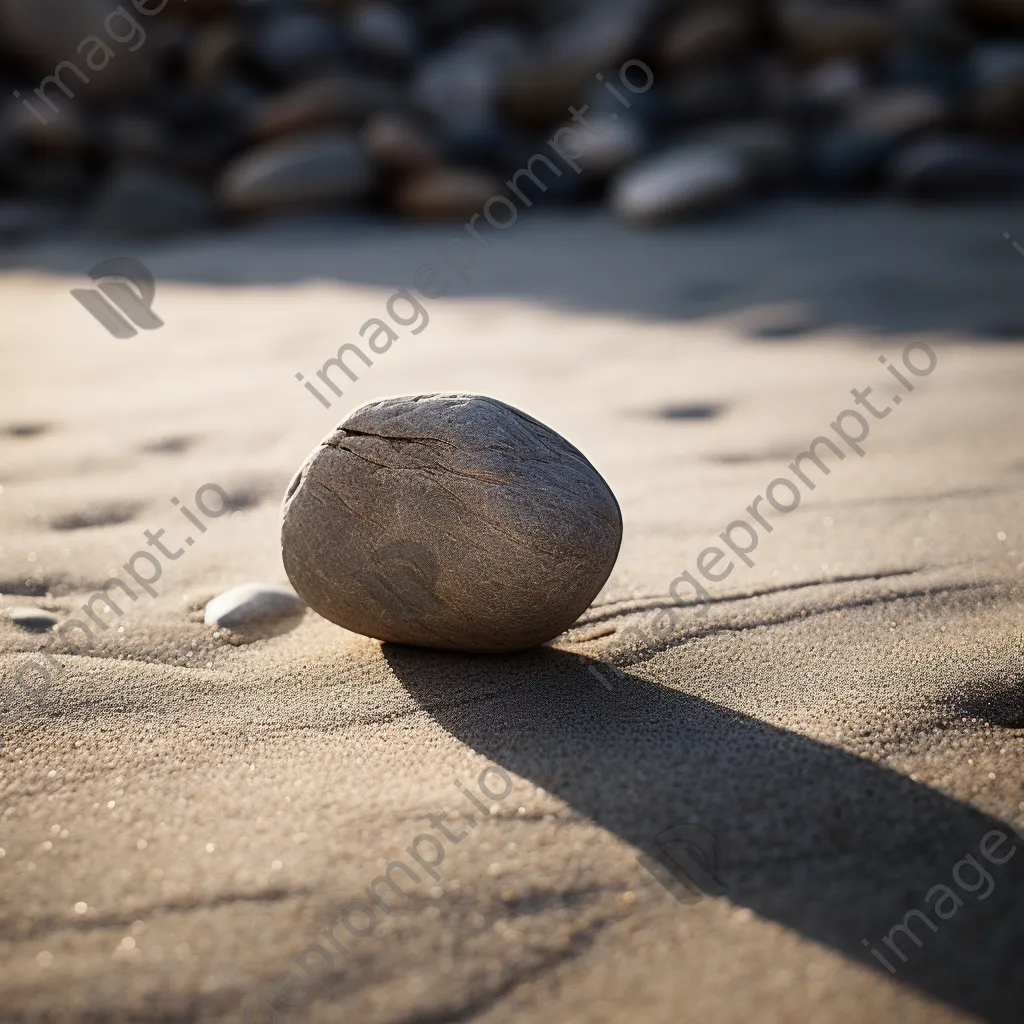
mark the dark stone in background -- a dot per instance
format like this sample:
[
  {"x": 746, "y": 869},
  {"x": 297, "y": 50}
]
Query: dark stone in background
[{"x": 442, "y": 97}]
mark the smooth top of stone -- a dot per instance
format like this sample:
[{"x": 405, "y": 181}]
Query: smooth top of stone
[
  {"x": 451, "y": 521},
  {"x": 254, "y": 608},
  {"x": 35, "y": 620}
]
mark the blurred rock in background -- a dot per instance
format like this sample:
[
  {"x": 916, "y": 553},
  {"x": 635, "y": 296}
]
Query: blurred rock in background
[{"x": 154, "y": 116}]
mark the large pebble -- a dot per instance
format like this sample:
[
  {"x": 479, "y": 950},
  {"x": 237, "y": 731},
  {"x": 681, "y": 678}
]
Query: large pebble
[
  {"x": 255, "y": 610},
  {"x": 451, "y": 521}
]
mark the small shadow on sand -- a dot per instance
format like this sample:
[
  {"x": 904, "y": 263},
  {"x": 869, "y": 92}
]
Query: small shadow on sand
[
  {"x": 830, "y": 845},
  {"x": 690, "y": 411}
]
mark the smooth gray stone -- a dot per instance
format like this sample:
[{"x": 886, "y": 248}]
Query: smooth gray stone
[
  {"x": 255, "y": 610},
  {"x": 139, "y": 201},
  {"x": 22, "y": 218},
  {"x": 460, "y": 85},
  {"x": 997, "y": 105},
  {"x": 33, "y": 620},
  {"x": 954, "y": 168},
  {"x": 451, "y": 521},
  {"x": 291, "y": 44},
  {"x": 445, "y": 193},
  {"x": 291, "y": 173},
  {"x": 685, "y": 181},
  {"x": 767, "y": 149},
  {"x": 611, "y": 149},
  {"x": 384, "y": 30}
]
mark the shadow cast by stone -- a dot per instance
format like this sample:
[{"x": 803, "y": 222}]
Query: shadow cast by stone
[{"x": 827, "y": 844}]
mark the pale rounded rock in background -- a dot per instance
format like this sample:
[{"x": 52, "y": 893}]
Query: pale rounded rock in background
[
  {"x": 451, "y": 521},
  {"x": 685, "y": 181}
]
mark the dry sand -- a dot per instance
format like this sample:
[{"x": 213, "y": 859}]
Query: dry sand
[{"x": 182, "y": 817}]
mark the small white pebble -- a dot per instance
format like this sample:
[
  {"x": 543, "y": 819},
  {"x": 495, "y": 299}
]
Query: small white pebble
[
  {"x": 81, "y": 908},
  {"x": 111, "y": 804},
  {"x": 44, "y": 959},
  {"x": 276, "y": 865},
  {"x": 210, "y": 847}
]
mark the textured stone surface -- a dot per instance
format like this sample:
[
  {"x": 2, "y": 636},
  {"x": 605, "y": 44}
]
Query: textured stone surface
[
  {"x": 255, "y": 609},
  {"x": 450, "y": 521}
]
